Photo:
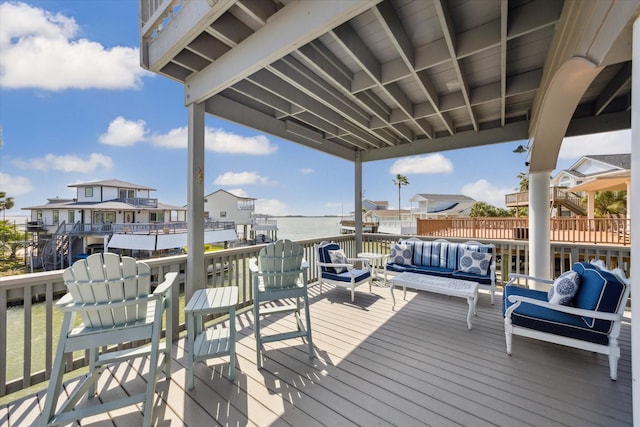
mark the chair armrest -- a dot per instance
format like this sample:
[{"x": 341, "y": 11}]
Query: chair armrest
[
  {"x": 169, "y": 279},
  {"x": 517, "y": 300},
  {"x": 65, "y": 300},
  {"x": 514, "y": 276},
  {"x": 96, "y": 306}
]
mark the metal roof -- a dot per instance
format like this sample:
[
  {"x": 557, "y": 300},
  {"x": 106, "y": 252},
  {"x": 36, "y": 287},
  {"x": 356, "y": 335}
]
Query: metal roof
[
  {"x": 112, "y": 183},
  {"x": 373, "y": 80}
]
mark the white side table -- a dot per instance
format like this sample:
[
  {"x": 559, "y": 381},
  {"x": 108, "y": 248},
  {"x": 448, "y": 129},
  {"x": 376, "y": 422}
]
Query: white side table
[
  {"x": 202, "y": 345},
  {"x": 375, "y": 261}
]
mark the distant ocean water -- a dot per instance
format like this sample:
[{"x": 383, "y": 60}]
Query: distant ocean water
[{"x": 301, "y": 228}]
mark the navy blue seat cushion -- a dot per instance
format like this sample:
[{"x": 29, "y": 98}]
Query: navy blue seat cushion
[
  {"x": 481, "y": 279},
  {"x": 547, "y": 320},
  {"x": 346, "y": 277},
  {"x": 599, "y": 290},
  {"x": 324, "y": 256},
  {"x": 400, "y": 268},
  {"x": 434, "y": 271}
]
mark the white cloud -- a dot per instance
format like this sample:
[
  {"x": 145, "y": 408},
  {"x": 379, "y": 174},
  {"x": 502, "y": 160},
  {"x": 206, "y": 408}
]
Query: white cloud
[
  {"x": 431, "y": 164},
  {"x": 123, "y": 132},
  {"x": 15, "y": 185},
  {"x": 598, "y": 143},
  {"x": 271, "y": 207},
  {"x": 66, "y": 163},
  {"x": 240, "y": 178},
  {"x": 218, "y": 141},
  {"x": 306, "y": 171},
  {"x": 483, "y": 191},
  {"x": 40, "y": 50}
]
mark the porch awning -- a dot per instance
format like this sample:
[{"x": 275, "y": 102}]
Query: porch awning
[
  {"x": 143, "y": 242},
  {"x": 170, "y": 241},
  {"x": 152, "y": 242},
  {"x": 614, "y": 181}
]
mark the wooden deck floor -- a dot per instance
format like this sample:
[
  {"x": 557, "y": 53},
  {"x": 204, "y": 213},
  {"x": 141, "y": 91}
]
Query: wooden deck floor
[{"x": 419, "y": 365}]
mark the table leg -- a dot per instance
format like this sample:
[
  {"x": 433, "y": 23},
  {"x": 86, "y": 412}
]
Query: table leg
[
  {"x": 393, "y": 296},
  {"x": 190, "y": 345},
  {"x": 472, "y": 304}
]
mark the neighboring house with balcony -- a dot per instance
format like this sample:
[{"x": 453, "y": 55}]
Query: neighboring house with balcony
[
  {"x": 222, "y": 205},
  {"x": 426, "y": 206},
  {"x": 590, "y": 167},
  {"x": 590, "y": 173},
  {"x": 65, "y": 228}
]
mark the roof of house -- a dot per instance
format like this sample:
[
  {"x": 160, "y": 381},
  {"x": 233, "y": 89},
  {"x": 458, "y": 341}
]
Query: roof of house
[
  {"x": 229, "y": 193},
  {"x": 113, "y": 183},
  {"x": 443, "y": 197},
  {"x": 618, "y": 161},
  {"x": 109, "y": 205}
]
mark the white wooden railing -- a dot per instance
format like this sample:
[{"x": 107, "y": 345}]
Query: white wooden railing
[{"x": 29, "y": 322}]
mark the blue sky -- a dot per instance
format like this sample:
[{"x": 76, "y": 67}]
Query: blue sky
[{"x": 75, "y": 106}]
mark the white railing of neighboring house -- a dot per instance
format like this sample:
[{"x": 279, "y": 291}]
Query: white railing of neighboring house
[{"x": 30, "y": 329}]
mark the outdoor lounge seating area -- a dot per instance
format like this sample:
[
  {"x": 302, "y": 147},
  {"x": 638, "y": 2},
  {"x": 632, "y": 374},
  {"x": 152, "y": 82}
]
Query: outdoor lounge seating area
[
  {"x": 472, "y": 261},
  {"x": 376, "y": 366}
]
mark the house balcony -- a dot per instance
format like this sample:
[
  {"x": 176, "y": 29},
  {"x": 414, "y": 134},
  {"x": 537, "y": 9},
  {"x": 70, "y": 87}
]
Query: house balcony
[{"x": 416, "y": 365}]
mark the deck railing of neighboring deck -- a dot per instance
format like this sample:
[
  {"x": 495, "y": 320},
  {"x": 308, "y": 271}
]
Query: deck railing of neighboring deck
[
  {"x": 613, "y": 231},
  {"x": 230, "y": 267}
]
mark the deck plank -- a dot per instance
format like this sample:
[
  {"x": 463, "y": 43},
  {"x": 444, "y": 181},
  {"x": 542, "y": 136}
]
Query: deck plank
[{"x": 417, "y": 365}]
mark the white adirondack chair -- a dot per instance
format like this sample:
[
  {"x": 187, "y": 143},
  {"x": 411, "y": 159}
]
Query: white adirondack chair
[
  {"x": 112, "y": 296},
  {"x": 280, "y": 273}
]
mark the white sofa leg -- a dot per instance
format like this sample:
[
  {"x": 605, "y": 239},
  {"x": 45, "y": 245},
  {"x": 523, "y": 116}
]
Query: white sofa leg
[
  {"x": 614, "y": 355},
  {"x": 508, "y": 333}
]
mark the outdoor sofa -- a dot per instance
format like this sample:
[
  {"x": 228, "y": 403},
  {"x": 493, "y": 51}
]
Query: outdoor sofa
[{"x": 473, "y": 261}]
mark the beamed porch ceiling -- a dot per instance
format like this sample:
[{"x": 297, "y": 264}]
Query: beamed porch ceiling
[{"x": 396, "y": 77}]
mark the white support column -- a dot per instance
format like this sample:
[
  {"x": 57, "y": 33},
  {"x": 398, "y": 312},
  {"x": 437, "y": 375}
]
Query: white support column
[
  {"x": 634, "y": 206},
  {"x": 196, "y": 278},
  {"x": 539, "y": 225},
  {"x": 357, "y": 205},
  {"x": 591, "y": 206}
]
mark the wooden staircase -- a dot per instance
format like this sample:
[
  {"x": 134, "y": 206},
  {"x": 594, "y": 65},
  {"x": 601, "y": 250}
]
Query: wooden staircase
[{"x": 558, "y": 197}]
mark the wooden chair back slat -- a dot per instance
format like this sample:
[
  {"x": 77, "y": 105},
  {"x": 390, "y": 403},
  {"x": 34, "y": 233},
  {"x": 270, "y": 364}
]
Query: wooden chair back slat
[
  {"x": 278, "y": 259},
  {"x": 105, "y": 278}
]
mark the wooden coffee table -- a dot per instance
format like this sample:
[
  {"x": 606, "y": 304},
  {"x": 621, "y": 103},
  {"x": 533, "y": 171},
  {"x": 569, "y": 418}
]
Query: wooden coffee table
[{"x": 441, "y": 285}]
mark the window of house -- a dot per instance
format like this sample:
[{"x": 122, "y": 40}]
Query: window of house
[
  {"x": 71, "y": 216},
  {"x": 38, "y": 215},
  {"x": 127, "y": 193},
  {"x": 157, "y": 216},
  {"x": 88, "y": 191},
  {"x": 104, "y": 217},
  {"x": 56, "y": 216},
  {"x": 223, "y": 214}
]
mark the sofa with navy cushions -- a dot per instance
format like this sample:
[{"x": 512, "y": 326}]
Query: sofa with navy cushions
[
  {"x": 583, "y": 308},
  {"x": 473, "y": 261}
]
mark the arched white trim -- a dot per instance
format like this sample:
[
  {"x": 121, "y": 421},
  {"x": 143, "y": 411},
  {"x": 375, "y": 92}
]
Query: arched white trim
[{"x": 555, "y": 109}]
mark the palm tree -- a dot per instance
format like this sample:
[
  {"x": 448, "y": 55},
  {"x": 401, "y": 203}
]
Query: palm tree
[
  {"x": 524, "y": 181},
  {"x": 6, "y": 203},
  {"x": 608, "y": 203},
  {"x": 400, "y": 180}
]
